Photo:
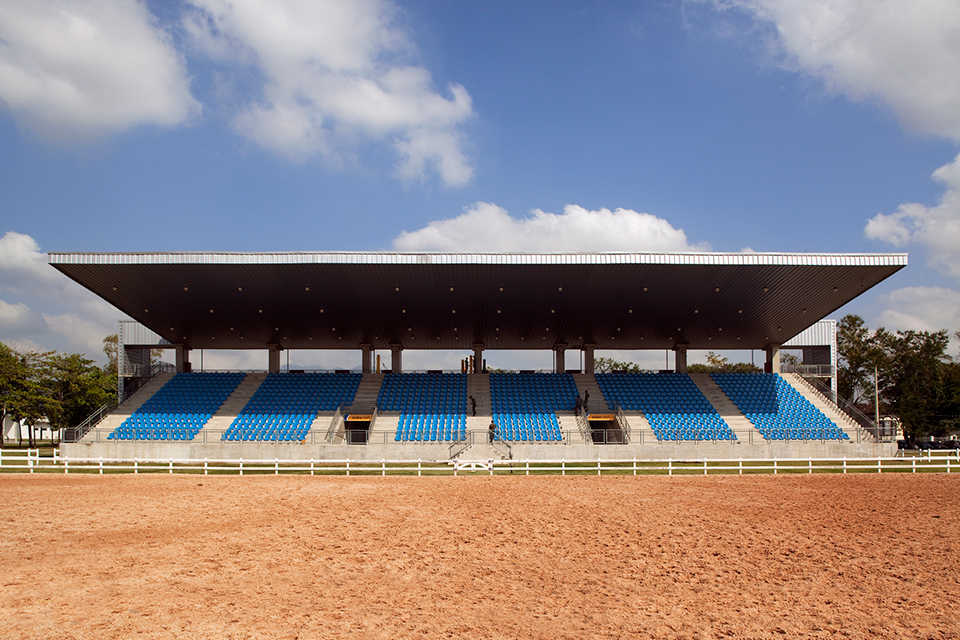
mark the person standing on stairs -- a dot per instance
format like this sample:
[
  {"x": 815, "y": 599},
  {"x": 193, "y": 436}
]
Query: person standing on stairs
[
  {"x": 493, "y": 431},
  {"x": 586, "y": 400},
  {"x": 473, "y": 405}
]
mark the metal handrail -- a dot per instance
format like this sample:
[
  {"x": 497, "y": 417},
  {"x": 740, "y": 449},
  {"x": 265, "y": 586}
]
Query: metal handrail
[
  {"x": 75, "y": 434},
  {"x": 821, "y": 370},
  {"x": 584, "y": 428},
  {"x": 623, "y": 424},
  {"x": 334, "y": 420},
  {"x": 863, "y": 423}
]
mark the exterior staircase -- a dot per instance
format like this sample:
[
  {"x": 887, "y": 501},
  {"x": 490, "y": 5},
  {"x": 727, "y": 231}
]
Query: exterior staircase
[
  {"x": 826, "y": 405},
  {"x": 230, "y": 409},
  {"x": 734, "y": 418},
  {"x": 123, "y": 411}
]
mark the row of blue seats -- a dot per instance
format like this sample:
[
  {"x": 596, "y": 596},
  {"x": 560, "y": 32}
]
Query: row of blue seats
[
  {"x": 778, "y": 410},
  {"x": 180, "y": 408},
  {"x": 285, "y": 405},
  {"x": 671, "y": 402}
]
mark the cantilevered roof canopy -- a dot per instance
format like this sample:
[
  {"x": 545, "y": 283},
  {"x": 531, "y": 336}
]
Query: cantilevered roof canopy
[{"x": 453, "y": 300}]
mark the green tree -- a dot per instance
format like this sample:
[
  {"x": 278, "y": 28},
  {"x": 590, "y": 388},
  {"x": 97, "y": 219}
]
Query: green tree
[
  {"x": 110, "y": 349},
  {"x": 79, "y": 387},
  {"x": 32, "y": 400},
  {"x": 720, "y": 364},
  {"x": 13, "y": 372},
  {"x": 915, "y": 373},
  {"x": 608, "y": 365},
  {"x": 858, "y": 354}
]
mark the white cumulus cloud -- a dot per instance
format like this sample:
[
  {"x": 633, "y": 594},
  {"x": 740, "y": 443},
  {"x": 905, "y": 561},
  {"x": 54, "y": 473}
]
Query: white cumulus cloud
[
  {"x": 13, "y": 315},
  {"x": 488, "y": 227},
  {"x": 936, "y": 228},
  {"x": 923, "y": 309},
  {"x": 76, "y": 69},
  {"x": 904, "y": 53},
  {"x": 336, "y": 75}
]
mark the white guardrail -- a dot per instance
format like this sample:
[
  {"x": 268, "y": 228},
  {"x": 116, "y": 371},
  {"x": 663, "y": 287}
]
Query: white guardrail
[{"x": 30, "y": 461}]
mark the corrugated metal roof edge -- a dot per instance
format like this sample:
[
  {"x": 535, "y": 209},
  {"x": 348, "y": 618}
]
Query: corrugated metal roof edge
[{"x": 642, "y": 257}]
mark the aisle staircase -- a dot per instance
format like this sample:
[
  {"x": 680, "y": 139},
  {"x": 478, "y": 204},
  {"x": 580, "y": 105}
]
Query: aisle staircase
[
  {"x": 739, "y": 423},
  {"x": 231, "y": 407}
]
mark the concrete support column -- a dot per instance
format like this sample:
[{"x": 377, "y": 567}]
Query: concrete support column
[
  {"x": 477, "y": 357},
  {"x": 773, "y": 359},
  {"x": 560, "y": 358},
  {"x": 182, "y": 358},
  {"x": 680, "y": 355},
  {"x": 366, "y": 358},
  {"x": 588, "y": 358},
  {"x": 396, "y": 358},
  {"x": 273, "y": 358}
]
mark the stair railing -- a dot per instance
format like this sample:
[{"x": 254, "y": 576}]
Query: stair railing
[
  {"x": 623, "y": 424},
  {"x": 584, "y": 428},
  {"x": 864, "y": 424},
  {"x": 459, "y": 446},
  {"x": 75, "y": 434},
  {"x": 332, "y": 429}
]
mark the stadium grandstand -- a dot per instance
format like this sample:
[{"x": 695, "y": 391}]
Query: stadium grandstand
[{"x": 475, "y": 303}]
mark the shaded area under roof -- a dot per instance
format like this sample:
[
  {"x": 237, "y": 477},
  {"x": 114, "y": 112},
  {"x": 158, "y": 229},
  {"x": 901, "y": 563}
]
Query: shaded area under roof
[{"x": 453, "y": 300}]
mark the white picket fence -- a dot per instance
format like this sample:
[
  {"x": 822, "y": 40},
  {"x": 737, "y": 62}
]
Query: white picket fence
[{"x": 30, "y": 461}]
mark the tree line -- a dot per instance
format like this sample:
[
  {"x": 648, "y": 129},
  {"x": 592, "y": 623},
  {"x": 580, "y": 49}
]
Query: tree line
[
  {"x": 917, "y": 380},
  {"x": 59, "y": 388}
]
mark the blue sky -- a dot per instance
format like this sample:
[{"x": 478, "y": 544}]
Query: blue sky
[{"x": 723, "y": 125}]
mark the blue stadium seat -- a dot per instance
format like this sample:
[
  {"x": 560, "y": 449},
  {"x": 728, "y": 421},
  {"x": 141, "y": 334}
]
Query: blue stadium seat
[
  {"x": 432, "y": 406},
  {"x": 671, "y": 402},
  {"x": 778, "y": 410},
  {"x": 525, "y": 405},
  {"x": 180, "y": 408},
  {"x": 285, "y": 405}
]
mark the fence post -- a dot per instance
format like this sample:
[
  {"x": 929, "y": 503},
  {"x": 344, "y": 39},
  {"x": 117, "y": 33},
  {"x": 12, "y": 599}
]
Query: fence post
[
  {"x": 634, "y": 465},
  {"x": 948, "y": 464},
  {"x": 66, "y": 466},
  {"x": 669, "y": 466},
  {"x": 241, "y": 467},
  {"x": 419, "y": 470},
  {"x": 774, "y": 466},
  {"x": 1, "y": 458},
  {"x": 276, "y": 467},
  {"x": 348, "y": 467},
  {"x": 101, "y": 466},
  {"x": 29, "y": 461},
  {"x": 913, "y": 464},
  {"x": 879, "y": 468},
  {"x": 135, "y": 466},
  {"x": 311, "y": 466},
  {"x": 383, "y": 466},
  {"x": 844, "y": 464},
  {"x": 704, "y": 466},
  {"x": 740, "y": 467},
  {"x": 563, "y": 467},
  {"x": 598, "y": 466},
  {"x": 526, "y": 468},
  {"x": 809, "y": 465},
  {"x": 170, "y": 465}
]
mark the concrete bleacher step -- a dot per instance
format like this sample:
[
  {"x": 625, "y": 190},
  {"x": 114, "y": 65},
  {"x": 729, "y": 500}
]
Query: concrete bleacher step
[
  {"x": 232, "y": 406},
  {"x": 825, "y": 405},
  {"x": 478, "y": 386},
  {"x": 722, "y": 403},
  {"x": 640, "y": 430},
  {"x": 123, "y": 411},
  {"x": 587, "y": 382}
]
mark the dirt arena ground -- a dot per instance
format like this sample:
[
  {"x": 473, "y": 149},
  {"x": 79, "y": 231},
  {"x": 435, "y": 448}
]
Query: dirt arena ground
[{"x": 541, "y": 557}]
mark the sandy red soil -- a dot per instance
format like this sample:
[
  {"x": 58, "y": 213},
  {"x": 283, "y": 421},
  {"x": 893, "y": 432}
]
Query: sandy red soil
[{"x": 543, "y": 557}]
